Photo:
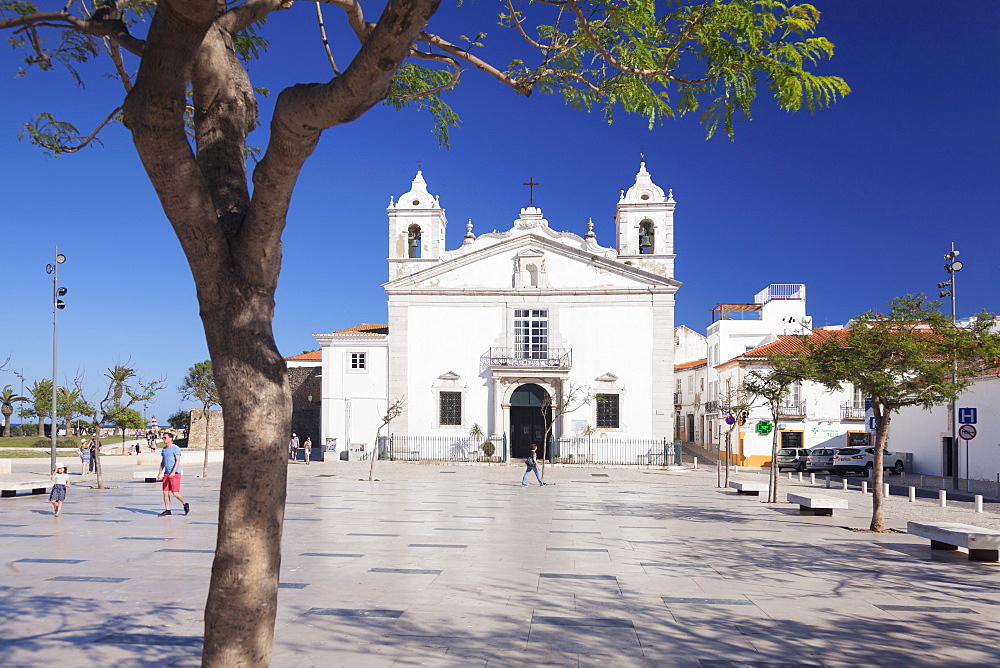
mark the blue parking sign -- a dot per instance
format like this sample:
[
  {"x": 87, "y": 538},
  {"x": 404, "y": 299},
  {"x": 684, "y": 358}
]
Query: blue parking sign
[{"x": 967, "y": 416}]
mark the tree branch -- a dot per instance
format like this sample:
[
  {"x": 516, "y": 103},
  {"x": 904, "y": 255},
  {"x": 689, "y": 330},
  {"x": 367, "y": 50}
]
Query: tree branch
[
  {"x": 475, "y": 61},
  {"x": 456, "y": 72},
  {"x": 326, "y": 42},
  {"x": 111, "y": 28}
]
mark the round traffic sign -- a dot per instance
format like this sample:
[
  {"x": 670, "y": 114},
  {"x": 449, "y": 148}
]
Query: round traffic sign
[{"x": 967, "y": 432}]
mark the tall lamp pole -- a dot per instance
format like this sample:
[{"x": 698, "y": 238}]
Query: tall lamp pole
[
  {"x": 952, "y": 266},
  {"x": 57, "y": 305}
]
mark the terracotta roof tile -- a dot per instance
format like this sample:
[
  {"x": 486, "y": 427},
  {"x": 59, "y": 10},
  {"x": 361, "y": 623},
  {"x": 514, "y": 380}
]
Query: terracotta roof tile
[
  {"x": 690, "y": 365},
  {"x": 787, "y": 344},
  {"x": 362, "y": 330},
  {"x": 311, "y": 355}
]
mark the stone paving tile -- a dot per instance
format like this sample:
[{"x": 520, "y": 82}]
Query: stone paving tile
[{"x": 657, "y": 536}]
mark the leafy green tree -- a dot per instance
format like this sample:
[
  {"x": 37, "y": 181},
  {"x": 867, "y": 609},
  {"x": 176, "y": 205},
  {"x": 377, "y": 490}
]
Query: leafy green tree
[
  {"x": 127, "y": 418},
  {"x": 180, "y": 420},
  {"x": 7, "y": 400},
  {"x": 911, "y": 355},
  {"x": 199, "y": 384},
  {"x": 191, "y": 105}
]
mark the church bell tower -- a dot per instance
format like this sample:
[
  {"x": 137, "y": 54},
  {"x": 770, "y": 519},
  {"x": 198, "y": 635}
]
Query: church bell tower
[
  {"x": 417, "y": 226},
  {"x": 644, "y": 222}
]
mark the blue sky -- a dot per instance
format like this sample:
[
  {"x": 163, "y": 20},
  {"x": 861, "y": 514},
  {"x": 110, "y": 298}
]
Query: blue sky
[{"x": 859, "y": 202}]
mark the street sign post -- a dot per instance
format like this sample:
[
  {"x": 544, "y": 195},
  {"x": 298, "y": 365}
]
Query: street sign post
[{"x": 967, "y": 432}]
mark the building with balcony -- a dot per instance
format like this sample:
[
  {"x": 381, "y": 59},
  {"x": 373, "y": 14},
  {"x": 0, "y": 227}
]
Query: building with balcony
[{"x": 491, "y": 332}]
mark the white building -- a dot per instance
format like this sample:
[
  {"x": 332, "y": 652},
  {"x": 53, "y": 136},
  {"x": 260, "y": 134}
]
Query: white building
[{"x": 484, "y": 333}]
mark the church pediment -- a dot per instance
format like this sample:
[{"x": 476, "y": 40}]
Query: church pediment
[{"x": 531, "y": 262}]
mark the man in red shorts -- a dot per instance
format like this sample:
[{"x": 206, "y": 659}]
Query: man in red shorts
[{"x": 170, "y": 472}]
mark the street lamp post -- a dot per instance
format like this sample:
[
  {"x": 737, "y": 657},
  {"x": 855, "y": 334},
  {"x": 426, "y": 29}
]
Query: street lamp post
[
  {"x": 952, "y": 266},
  {"x": 57, "y": 305}
]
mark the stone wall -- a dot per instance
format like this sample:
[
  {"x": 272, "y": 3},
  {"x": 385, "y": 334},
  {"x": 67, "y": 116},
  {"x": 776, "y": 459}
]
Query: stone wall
[
  {"x": 305, "y": 384},
  {"x": 196, "y": 434}
]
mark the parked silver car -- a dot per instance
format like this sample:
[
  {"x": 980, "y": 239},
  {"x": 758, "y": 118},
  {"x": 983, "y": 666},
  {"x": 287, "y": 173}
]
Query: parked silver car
[
  {"x": 820, "y": 459},
  {"x": 862, "y": 460},
  {"x": 792, "y": 458}
]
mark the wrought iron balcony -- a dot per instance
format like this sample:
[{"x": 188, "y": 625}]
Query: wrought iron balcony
[
  {"x": 678, "y": 398},
  {"x": 792, "y": 410},
  {"x": 711, "y": 406},
  {"x": 552, "y": 358},
  {"x": 848, "y": 412}
]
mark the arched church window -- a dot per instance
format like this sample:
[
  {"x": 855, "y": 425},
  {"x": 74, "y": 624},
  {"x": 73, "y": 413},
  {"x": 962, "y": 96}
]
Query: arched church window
[
  {"x": 413, "y": 241},
  {"x": 647, "y": 242}
]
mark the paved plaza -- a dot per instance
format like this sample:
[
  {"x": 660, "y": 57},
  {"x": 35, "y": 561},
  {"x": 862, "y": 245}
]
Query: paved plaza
[{"x": 461, "y": 566}]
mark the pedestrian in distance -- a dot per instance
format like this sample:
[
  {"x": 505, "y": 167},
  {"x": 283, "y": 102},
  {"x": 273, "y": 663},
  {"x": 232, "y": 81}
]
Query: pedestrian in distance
[
  {"x": 95, "y": 451},
  {"x": 170, "y": 473},
  {"x": 293, "y": 447},
  {"x": 84, "y": 456},
  {"x": 60, "y": 483},
  {"x": 532, "y": 465},
  {"x": 307, "y": 447}
]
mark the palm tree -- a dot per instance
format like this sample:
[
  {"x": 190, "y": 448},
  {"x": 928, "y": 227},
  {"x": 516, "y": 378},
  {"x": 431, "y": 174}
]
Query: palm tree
[{"x": 7, "y": 399}]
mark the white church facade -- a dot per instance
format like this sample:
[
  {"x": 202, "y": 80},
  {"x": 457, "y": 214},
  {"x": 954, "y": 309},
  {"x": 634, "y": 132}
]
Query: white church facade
[{"x": 490, "y": 332}]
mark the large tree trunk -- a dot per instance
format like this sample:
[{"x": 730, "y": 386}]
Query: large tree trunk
[
  {"x": 232, "y": 242},
  {"x": 250, "y": 374}
]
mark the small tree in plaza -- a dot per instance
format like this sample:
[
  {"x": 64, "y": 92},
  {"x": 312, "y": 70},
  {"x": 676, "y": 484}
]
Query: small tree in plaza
[
  {"x": 125, "y": 389},
  {"x": 199, "y": 384},
  {"x": 770, "y": 386},
  {"x": 911, "y": 355}
]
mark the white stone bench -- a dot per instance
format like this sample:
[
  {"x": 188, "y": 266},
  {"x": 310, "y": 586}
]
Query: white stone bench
[
  {"x": 12, "y": 487},
  {"x": 146, "y": 476},
  {"x": 983, "y": 544},
  {"x": 817, "y": 504},
  {"x": 747, "y": 487}
]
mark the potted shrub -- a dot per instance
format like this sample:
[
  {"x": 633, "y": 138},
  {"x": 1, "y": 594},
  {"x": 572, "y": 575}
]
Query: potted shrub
[{"x": 489, "y": 449}]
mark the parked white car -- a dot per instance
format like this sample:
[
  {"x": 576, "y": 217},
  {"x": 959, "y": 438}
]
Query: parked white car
[{"x": 862, "y": 460}]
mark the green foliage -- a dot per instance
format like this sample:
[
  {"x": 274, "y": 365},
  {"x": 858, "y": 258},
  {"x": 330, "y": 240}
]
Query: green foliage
[
  {"x": 126, "y": 418},
  {"x": 41, "y": 398},
  {"x": 489, "y": 448},
  {"x": 180, "y": 419},
  {"x": 199, "y": 384},
  {"x": 711, "y": 57},
  {"x": 423, "y": 86},
  {"x": 905, "y": 357}
]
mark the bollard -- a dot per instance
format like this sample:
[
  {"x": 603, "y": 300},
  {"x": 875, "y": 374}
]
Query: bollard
[
  {"x": 943, "y": 498},
  {"x": 913, "y": 494},
  {"x": 979, "y": 503},
  {"x": 696, "y": 462},
  {"x": 845, "y": 484},
  {"x": 812, "y": 478},
  {"x": 864, "y": 486},
  {"x": 885, "y": 489},
  {"x": 800, "y": 476},
  {"x": 828, "y": 482},
  {"x": 789, "y": 475}
]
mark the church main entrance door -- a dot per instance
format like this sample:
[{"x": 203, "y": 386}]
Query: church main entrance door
[{"x": 527, "y": 425}]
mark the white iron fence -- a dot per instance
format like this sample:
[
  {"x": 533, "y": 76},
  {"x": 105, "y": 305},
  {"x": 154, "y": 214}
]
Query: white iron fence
[{"x": 582, "y": 450}]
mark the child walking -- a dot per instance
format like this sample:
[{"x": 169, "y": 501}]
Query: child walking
[{"x": 60, "y": 480}]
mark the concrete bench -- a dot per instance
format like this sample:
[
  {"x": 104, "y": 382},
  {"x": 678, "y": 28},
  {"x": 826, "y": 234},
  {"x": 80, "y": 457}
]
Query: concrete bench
[
  {"x": 12, "y": 487},
  {"x": 146, "y": 476},
  {"x": 817, "y": 504},
  {"x": 983, "y": 544},
  {"x": 748, "y": 488}
]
